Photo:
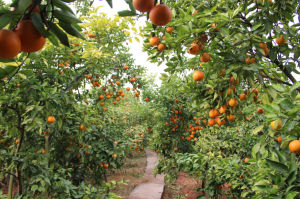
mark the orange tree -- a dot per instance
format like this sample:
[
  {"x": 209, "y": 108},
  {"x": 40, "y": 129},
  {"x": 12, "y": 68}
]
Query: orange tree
[
  {"x": 233, "y": 64},
  {"x": 57, "y": 138}
]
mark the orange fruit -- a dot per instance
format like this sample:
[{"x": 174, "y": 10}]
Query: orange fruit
[
  {"x": 211, "y": 122},
  {"x": 260, "y": 110},
  {"x": 219, "y": 121},
  {"x": 114, "y": 155},
  {"x": 10, "y": 44},
  {"x": 279, "y": 139},
  {"x": 213, "y": 113},
  {"x": 223, "y": 72},
  {"x": 198, "y": 75},
  {"x": 195, "y": 12},
  {"x": 276, "y": 124},
  {"x": 233, "y": 102},
  {"x": 143, "y": 5},
  {"x": 86, "y": 100},
  {"x": 281, "y": 40},
  {"x": 195, "y": 48},
  {"x": 255, "y": 91},
  {"x": 125, "y": 67},
  {"x": 154, "y": 41},
  {"x": 205, "y": 57},
  {"x": 43, "y": 151},
  {"x": 294, "y": 146},
  {"x": 169, "y": 30},
  {"x": 243, "y": 96},
  {"x": 160, "y": 15},
  {"x": 82, "y": 127},
  {"x": 31, "y": 39},
  {"x": 51, "y": 119},
  {"x": 222, "y": 109},
  {"x": 161, "y": 47},
  {"x": 234, "y": 81},
  {"x": 248, "y": 60},
  {"x": 230, "y": 117},
  {"x": 246, "y": 159}
]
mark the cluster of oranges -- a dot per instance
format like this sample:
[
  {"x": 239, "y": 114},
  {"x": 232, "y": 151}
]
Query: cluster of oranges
[
  {"x": 25, "y": 38},
  {"x": 160, "y": 15}
]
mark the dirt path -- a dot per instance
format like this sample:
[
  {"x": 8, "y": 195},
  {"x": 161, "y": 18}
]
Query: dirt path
[{"x": 153, "y": 186}]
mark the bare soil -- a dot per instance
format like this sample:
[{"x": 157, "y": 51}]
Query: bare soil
[{"x": 133, "y": 172}]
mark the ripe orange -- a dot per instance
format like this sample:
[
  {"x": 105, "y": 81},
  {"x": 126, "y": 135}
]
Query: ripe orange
[
  {"x": 276, "y": 124},
  {"x": 222, "y": 109},
  {"x": 255, "y": 91},
  {"x": 279, "y": 139},
  {"x": 125, "y": 67},
  {"x": 143, "y": 5},
  {"x": 246, "y": 159},
  {"x": 82, "y": 127},
  {"x": 248, "y": 60},
  {"x": 198, "y": 75},
  {"x": 205, "y": 57},
  {"x": 154, "y": 41},
  {"x": 243, "y": 96},
  {"x": 213, "y": 113},
  {"x": 195, "y": 12},
  {"x": 161, "y": 47},
  {"x": 219, "y": 121},
  {"x": 211, "y": 122},
  {"x": 223, "y": 72},
  {"x": 294, "y": 146},
  {"x": 160, "y": 15},
  {"x": 281, "y": 40},
  {"x": 230, "y": 117},
  {"x": 233, "y": 102},
  {"x": 169, "y": 30},
  {"x": 10, "y": 44},
  {"x": 31, "y": 40},
  {"x": 86, "y": 100},
  {"x": 146, "y": 99},
  {"x": 234, "y": 81},
  {"x": 260, "y": 110},
  {"x": 43, "y": 151},
  {"x": 114, "y": 155},
  {"x": 195, "y": 48},
  {"x": 51, "y": 119}
]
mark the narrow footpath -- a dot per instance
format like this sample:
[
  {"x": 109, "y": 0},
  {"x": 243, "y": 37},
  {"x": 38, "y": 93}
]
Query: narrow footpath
[{"x": 154, "y": 186}]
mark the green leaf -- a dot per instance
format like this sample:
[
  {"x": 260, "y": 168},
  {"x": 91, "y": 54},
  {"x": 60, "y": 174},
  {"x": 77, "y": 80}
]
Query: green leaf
[
  {"x": 53, "y": 38},
  {"x": 63, "y": 38},
  {"x": 60, "y": 4},
  {"x": 291, "y": 178},
  {"x": 291, "y": 195},
  {"x": 38, "y": 24},
  {"x": 70, "y": 29},
  {"x": 277, "y": 165},
  {"x": 278, "y": 87},
  {"x": 66, "y": 16},
  {"x": 109, "y": 3},
  {"x": 294, "y": 87},
  {"x": 125, "y": 13},
  {"x": 258, "y": 129},
  {"x": 4, "y": 20}
]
